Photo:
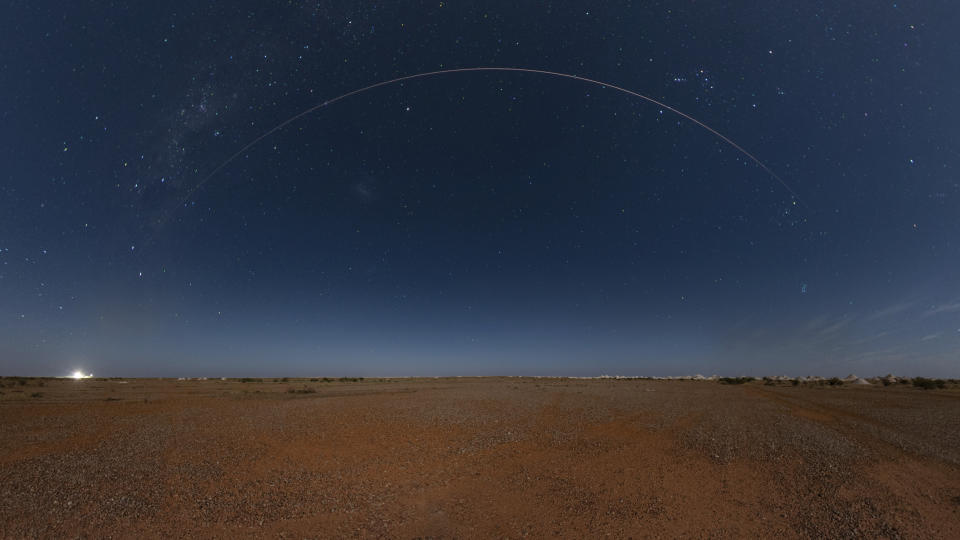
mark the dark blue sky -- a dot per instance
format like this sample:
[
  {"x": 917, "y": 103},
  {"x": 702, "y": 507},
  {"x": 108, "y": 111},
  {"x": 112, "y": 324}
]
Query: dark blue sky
[{"x": 479, "y": 223}]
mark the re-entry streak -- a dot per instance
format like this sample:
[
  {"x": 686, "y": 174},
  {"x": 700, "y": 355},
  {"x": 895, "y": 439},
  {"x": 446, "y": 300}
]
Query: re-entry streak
[{"x": 283, "y": 124}]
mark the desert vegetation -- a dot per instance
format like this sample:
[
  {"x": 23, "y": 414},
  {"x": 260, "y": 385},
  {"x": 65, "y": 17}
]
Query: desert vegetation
[{"x": 735, "y": 380}]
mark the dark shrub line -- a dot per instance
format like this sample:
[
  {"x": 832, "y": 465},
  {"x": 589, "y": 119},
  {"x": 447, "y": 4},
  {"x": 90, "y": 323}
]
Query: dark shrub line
[
  {"x": 735, "y": 380},
  {"x": 929, "y": 384}
]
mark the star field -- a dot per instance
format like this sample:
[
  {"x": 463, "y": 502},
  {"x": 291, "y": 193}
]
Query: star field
[{"x": 485, "y": 222}]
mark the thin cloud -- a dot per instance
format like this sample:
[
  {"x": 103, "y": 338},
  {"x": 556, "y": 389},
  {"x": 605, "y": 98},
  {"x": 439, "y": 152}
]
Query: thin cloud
[
  {"x": 868, "y": 339},
  {"x": 818, "y": 322},
  {"x": 943, "y": 308},
  {"x": 836, "y": 326},
  {"x": 890, "y": 310}
]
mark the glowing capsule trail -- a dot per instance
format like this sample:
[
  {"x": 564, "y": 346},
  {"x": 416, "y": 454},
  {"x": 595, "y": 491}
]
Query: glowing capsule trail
[{"x": 283, "y": 124}]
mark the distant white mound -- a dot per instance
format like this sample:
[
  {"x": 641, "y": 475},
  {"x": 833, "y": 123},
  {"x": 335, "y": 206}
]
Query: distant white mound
[
  {"x": 861, "y": 381},
  {"x": 850, "y": 378},
  {"x": 890, "y": 379}
]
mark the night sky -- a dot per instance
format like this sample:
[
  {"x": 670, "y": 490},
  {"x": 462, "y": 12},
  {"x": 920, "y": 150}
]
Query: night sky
[{"x": 486, "y": 222}]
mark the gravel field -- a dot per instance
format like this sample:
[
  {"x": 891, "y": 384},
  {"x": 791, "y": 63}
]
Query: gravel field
[{"x": 476, "y": 457}]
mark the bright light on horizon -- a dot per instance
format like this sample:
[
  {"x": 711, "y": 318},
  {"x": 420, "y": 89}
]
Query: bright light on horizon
[{"x": 80, "y": 375}]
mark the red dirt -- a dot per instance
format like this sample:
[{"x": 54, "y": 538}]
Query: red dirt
[{"x": 493, "y": 457}]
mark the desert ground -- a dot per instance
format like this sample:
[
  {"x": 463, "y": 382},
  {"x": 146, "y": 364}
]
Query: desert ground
[{"x": 476, "y": 458}]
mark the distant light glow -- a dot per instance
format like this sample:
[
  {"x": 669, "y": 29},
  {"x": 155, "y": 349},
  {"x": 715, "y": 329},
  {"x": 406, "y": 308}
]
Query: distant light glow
[{"x": 80, "y": 375}]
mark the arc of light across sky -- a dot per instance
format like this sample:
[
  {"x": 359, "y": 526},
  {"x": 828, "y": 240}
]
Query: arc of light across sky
[{"x": 297, "y": 116}]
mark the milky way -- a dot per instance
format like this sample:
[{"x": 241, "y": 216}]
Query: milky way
[{"x": 486, "y": 222}]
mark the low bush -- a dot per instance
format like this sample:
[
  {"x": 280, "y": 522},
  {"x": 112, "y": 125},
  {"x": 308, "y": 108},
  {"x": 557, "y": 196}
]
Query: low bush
[
  {"x": 735, "y": 380},
  {"x": 250, "y": 379},
  {"x": 835, "y": 381},
  {"x": 929, "y": 384}
]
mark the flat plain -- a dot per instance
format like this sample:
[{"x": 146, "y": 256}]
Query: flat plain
[{"x": 476, "y": 457}]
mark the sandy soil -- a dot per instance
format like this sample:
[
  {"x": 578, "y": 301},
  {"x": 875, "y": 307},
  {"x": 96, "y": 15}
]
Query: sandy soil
[{"x": 496, "y": 457}]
